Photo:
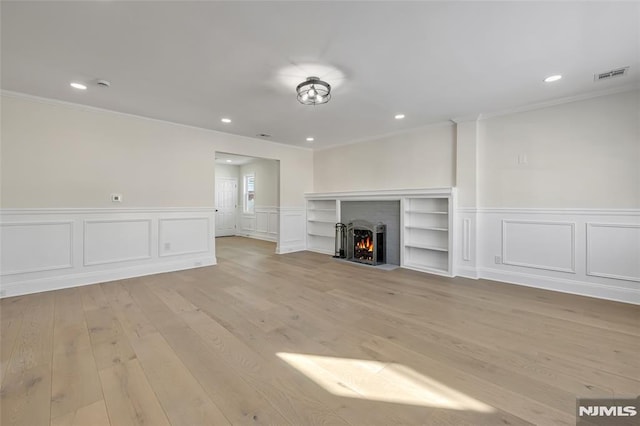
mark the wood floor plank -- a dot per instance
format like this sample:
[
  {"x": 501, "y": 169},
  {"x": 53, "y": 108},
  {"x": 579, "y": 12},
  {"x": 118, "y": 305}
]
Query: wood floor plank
[
  {"x": 304, "y": 339},
  {"x": 94, "y": 414},
  {"x": 25, "y": 397},
  {"x": 108, "y": 340},
  {"x": 75, "y": 382},
  {"x": 181, "y": 396},
  {"x": 129, "y": 397}
]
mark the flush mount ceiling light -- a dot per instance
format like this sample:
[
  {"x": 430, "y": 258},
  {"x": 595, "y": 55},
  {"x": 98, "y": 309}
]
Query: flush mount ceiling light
[
  {"x": 78, "y": 86},
  {"x": 399, "y": 116},
  {"x": 552, "y": 78},
  {"x": 313, "y": 91},
  {"x": 225, "y": 120},
  {"x": 310, "y": 139}
]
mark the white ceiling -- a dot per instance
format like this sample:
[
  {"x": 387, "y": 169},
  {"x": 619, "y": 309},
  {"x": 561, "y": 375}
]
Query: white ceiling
[
  {"x": 196, "y": 62},
  {"x": 233, "y": 159}
]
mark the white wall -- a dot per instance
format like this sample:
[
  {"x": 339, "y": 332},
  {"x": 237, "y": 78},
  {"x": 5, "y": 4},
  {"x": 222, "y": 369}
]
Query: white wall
[
  {"x": 421, "y": 158},
  {"x": 60, "y": 162},
  {"x": 47, "y": 145},
  {"x": 227, "y": 170},
  {"x": 266, "y": 181},
  {"x": 578, "y": 155},
  {"x": 568, "y": 217}
]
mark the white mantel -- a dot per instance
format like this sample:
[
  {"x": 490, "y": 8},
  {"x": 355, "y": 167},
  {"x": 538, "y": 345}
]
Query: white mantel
[{"x": 383, "y": 194}]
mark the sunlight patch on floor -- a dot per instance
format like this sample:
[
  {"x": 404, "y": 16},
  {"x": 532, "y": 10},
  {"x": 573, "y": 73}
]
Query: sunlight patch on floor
[{"x": 379, "y": 381}]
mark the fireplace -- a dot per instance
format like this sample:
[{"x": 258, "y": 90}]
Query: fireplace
[{"x": 365, "y": 242}]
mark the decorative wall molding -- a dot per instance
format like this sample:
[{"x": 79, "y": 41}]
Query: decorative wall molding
[
  {"x": 192, "y": 235},
  {"x": 602, "y": 242},
  {"x": 262, "y": 224},
  {"x": 530, "y": 241},
  {"x": 32, "y": 237},
  {"x": 103, "y": 210},
  {"x": 57, "y": 282},
  {"x": 601, "y": 291},
  {"x": 86, "y": 246},
  {"x": 561, "y": 101},
  {"x": 292, "y": 230},
  {"x": 466, "y": 239},
  {"x": 119, "y": 241},
  {"x": 82, "y": 107},
  {"x": 383, "y": 194},
  {"x": 542, "y": 211},
  {"x": 626, "y": 252}
]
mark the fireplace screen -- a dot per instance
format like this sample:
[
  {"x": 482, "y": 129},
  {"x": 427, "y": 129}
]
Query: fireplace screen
[{"x": 365, "y": 242}]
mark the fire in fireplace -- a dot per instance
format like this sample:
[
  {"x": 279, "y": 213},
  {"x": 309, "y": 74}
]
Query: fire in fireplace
[{"x": 366, "y": 242}]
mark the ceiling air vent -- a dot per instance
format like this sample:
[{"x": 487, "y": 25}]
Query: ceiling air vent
[{"x": 610, "y": 74}]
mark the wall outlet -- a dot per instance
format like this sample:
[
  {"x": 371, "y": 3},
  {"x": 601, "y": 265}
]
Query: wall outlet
[
  {"x": 498, "y": 260},
  {"x": 522, "y": 159},
  {"x": 167, "y": 246},
  {"x": 116, "y": 198}
]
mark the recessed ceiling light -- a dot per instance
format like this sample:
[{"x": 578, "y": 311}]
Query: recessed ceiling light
[
  {"x": 229, "y": 161},
  {"x": 226, "y": 120},
  {"x": 310, "y": 139},
  {"x": 78, "y": 86},
  {"x": 552, "y": 78},
  {"x": 399, "y": 116}
]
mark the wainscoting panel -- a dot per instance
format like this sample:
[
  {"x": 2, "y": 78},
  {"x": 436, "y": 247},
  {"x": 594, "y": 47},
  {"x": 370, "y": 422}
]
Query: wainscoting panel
[
  {"x": 36, "y": 246},
  {"x": 292, "y": 230},
  {"x": 263, "y": 224},
  {"x": 613, "y": 251},
  {"x": 539, "y": 244},
  {"x": 247, "y": 223},
  {"x": 581, "y": 251},
  {"x": 49, "y": 249},
  {"x": 273, "y": 223},
  {"x": 114, "y": 241},
  {"x": 179, "y": 236}
]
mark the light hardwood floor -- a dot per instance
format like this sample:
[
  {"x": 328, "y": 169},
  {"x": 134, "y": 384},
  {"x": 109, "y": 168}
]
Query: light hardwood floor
[{"x": 205, "y": 347}]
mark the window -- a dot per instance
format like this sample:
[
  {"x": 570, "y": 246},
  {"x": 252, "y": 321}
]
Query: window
[{"x": 249, "y": 193}]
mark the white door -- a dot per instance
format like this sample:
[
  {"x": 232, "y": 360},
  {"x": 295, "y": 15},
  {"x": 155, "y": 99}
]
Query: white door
[{"x": 226, "y": 205}]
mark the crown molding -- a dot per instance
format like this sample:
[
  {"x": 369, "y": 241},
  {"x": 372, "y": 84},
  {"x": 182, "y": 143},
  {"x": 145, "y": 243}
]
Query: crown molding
[
  {"x": 390, "y": 134},
  {"x": 560, "y": 101},
  {"x": 82, "y": 107}
]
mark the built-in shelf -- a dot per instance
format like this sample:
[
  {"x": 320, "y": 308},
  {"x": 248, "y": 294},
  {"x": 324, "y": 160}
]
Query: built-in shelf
[
  {"x": 426, "y": 224},
  {"x": 427, "y": 236},
  {"x": 317, "y": 234},
  {"x": 425, "y": 212},
  {"x": 322, "y": 216},
  {"x": 430, "y": 228},
  {"x": 425, "y": 246}
]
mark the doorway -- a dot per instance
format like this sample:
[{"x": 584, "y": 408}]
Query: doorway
[{"x": 247, "y": 197}]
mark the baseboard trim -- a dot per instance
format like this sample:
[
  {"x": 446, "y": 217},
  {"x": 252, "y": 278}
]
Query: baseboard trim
[
  {"x": 580, "y": 288},
  {"x": 259, "y": 237},
  {"x": 290, "y": 248},
  {"x": 87, "y": 278},
  {"x": 466, "y": 272}
]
